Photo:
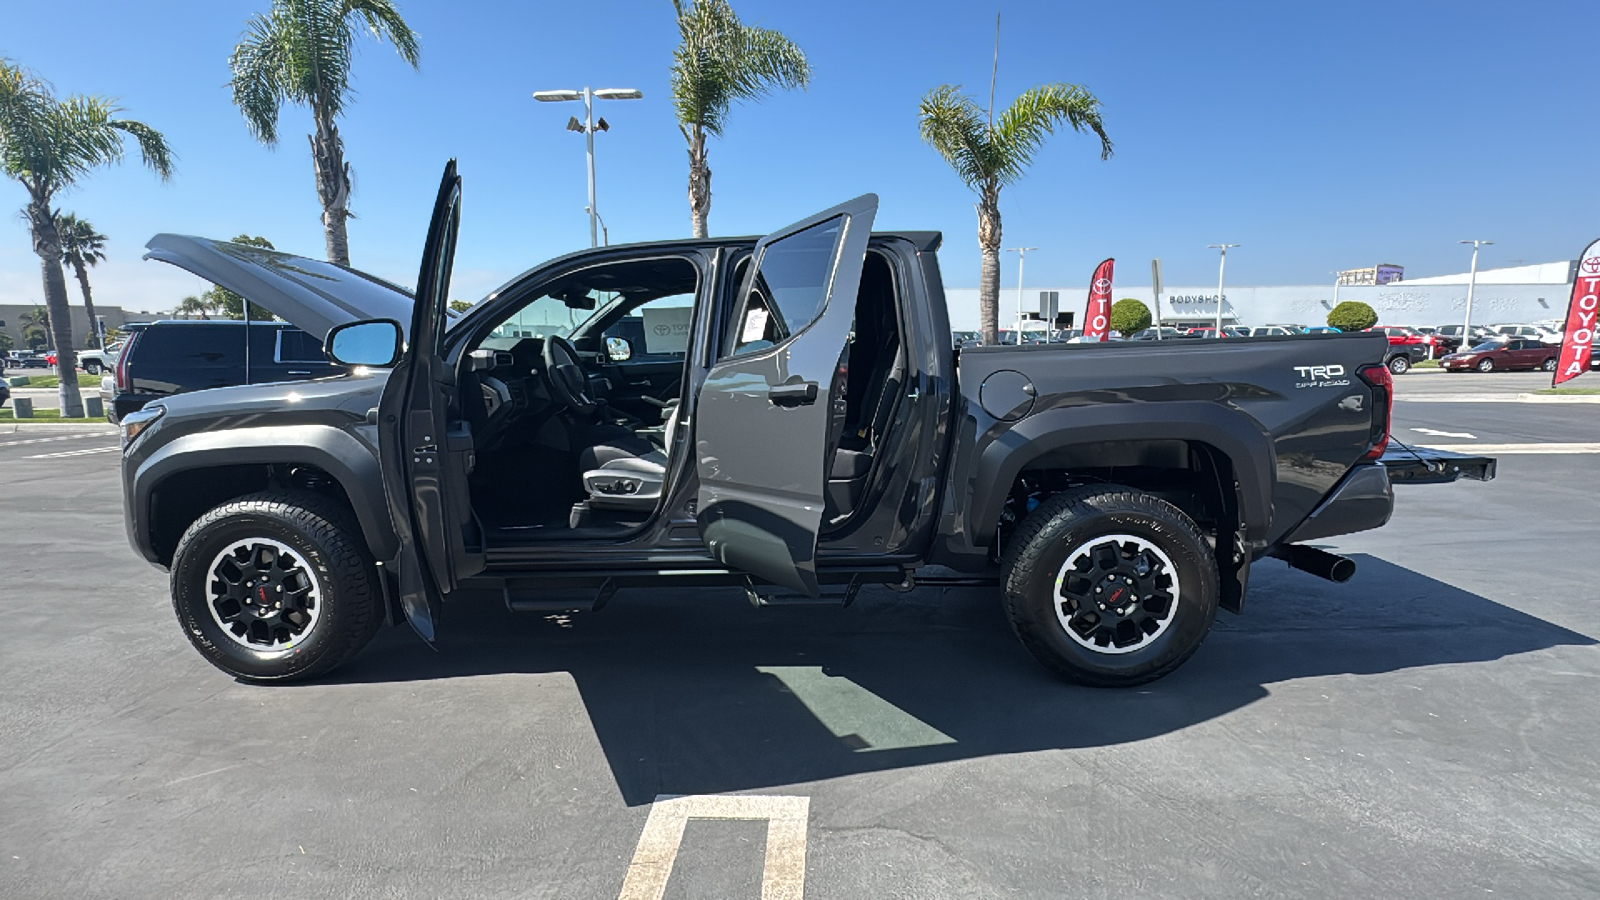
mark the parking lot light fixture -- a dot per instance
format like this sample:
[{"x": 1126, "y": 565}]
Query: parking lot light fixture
[
  {"x": 1022, "y": 257},
  {"x": 1222, "y": 265},
  {"x": 1472, "y": 283},
  {"x": 588, "y": 126}
]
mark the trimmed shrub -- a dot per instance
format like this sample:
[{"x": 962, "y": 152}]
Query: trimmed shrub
[
  {"x": 1129, "y": 317},
  {"x": 1352, "y": 315}
]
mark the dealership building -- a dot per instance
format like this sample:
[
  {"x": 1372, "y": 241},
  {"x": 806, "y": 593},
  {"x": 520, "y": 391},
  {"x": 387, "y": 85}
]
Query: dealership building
[{"x": 1520, "y": 294}]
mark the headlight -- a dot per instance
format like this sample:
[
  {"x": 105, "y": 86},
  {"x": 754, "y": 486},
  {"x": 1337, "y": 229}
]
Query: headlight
[{"x": 135, "y": 423}]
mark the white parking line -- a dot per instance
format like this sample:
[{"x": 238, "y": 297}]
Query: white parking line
[
  {"x": 66, "y": 453},
  {"x": 783, "y": 875},
  {"x": 59, "y": 437},
  {"x": 1517, "y": 448},
  {"x": 1454, "y": 434}
]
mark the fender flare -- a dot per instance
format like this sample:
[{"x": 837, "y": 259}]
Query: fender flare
[
  {"x": 1232, "y": 433},
  {"x": 346, "y": 459}
]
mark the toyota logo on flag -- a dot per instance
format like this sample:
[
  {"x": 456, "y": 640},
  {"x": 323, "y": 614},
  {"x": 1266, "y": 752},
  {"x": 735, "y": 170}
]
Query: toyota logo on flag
[
  {"x": 1096, "y": 322},
  {"x": 1591, "y": 264}
]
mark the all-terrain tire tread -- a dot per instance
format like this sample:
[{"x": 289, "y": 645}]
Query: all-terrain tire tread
[
  {"x": 332, "y": 527},
  {"x": 1024, "y": 548}
]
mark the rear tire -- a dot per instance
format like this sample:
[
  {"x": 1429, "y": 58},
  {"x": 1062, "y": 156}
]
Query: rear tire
[
  {"x": 92, "y": 367},
  {"x": 1548, "y": 365},
  {"x": 276, "y": 587},
  {"x": 1092, "y": 546},
  {"x": 1485, "y": 365},
  {"x": 1400, "y": 365}
]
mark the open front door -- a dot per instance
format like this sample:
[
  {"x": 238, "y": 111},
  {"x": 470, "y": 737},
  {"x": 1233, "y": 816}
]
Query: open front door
[
  {"x": 762, "y": 419},
  {"x": 427, "y": 452}
]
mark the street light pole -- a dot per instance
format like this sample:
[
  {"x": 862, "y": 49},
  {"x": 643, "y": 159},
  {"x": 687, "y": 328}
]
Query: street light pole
[
  {"x": 1222, "y": 266},
  {"x": 1022, "y": 256},
  {"x": 588, "y": 126},
  {"x": 1472, "y": 283},
  {"x": 588, "y": 140}
]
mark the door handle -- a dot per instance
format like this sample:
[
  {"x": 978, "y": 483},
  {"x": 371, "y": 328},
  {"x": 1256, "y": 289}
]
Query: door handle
[
  {"x": 293, "y": 372},
  {"x": 800, "y": 393}
]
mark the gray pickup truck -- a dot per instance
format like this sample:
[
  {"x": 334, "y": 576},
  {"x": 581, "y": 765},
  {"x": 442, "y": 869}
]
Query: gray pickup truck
[{"x": 785, "y": 415}]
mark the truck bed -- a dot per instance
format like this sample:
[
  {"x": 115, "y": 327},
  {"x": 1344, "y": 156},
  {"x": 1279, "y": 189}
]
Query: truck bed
[{"x": 1289, "y": 410}]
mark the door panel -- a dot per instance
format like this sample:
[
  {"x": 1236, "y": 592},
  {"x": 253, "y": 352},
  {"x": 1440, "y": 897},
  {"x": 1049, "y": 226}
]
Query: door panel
[
  {"x": 761, "y": 422},
  {"x": 427, "y": 453}
]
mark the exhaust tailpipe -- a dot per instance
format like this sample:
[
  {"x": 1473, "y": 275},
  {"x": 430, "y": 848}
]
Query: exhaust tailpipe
[{"x": 1320, "y": 563}]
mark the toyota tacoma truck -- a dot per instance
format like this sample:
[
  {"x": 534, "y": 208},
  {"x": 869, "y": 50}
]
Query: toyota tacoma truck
[{"x": 784, "y": 415}]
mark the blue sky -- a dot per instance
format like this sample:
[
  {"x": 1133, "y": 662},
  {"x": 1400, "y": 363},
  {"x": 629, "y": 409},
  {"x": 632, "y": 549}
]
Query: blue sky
[{"x": 1318, "y": 136}]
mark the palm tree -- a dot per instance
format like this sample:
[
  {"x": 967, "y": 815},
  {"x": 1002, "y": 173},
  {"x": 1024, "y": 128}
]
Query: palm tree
[
  {"x": 48, "y": 145},
  {"x": 201, "y": 305},
  {"x": 35, "y": 328},
  {"x": 301, "y": 51},
  {"x": 82, "y": 247},
  {"x": 989, "y": 155},
  {"x": 720, "y": 60}
]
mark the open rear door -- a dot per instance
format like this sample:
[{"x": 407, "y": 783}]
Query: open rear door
[
  {"x": 761, "y": 422},
  {"x": 427, "y": 455}
]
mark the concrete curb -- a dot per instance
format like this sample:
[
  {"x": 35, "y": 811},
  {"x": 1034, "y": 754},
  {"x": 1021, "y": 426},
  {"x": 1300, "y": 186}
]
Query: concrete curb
[{"x": 12, "y": 427}]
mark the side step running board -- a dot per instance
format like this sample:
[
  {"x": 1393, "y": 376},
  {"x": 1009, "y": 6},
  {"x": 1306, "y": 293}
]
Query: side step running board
[
  {"x": 766, "y": 595},
  {"x": 561, "y": 599}
]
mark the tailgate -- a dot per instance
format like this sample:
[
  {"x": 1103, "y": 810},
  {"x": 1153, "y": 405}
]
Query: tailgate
[{"x": 1424, "y": 465}]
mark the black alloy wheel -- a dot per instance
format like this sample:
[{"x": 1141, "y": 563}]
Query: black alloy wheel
[
  {"x": 1109, "y": 586},
  {"x": 276, "y": 587}
]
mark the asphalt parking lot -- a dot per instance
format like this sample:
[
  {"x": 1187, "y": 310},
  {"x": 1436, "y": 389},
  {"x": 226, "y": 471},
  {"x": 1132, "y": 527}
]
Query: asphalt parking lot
[{"x": 1426, "y": 730}]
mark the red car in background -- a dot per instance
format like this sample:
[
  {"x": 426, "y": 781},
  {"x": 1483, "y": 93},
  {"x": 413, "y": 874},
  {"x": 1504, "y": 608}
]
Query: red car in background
[
  {"x": 1407, "y": 347},
  {"x": 1504, "y": 355}
]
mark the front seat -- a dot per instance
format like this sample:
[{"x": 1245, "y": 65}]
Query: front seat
[{"x": 626, "y": 471}]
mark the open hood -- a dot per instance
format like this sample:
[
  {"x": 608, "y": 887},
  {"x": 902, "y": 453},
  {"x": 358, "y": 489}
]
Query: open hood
[{"x": 310, "y": 294}]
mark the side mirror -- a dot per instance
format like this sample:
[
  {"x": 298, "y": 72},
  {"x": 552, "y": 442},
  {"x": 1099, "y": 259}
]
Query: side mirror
[
  {"x": 376, "y": 343},
  {"x": 619, "y": 349}
]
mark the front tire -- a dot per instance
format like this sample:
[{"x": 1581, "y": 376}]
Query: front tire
[
  {"x": 1485, "y": 365},
  {"x": 1400, "y": 365},
  {"x": 1110, "y": 587},
  {"x": 275, "y": 587},
  {"x": 92, "y": 367}
]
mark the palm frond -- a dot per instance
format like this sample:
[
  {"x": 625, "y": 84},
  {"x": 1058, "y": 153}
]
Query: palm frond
[
  {"x": 1034, "y": 116},
  {"x": 259, "y": 64},
  {"x": 153, "y": 147},
  {"x": 770, "y": 60},
  {"x": 953, "y": 125},
  {"x": 383, "y": 20},
  {"x": 301, "y": 51},
  {"x": 720, "y": 60},
  {"x": 80, "y": 242}
]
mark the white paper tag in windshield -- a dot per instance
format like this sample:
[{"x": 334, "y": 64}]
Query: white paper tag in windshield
[{"x": 755, "y": 325}]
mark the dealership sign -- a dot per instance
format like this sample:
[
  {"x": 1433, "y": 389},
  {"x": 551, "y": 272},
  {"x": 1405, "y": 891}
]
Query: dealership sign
[{"x": 1577, "y": 340}]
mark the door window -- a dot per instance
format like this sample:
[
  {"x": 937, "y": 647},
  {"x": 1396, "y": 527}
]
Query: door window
[
  {"x": 791, "y": 284},
  {"x": 295, "y": 346},
  {"x": 657, "y": 330}
]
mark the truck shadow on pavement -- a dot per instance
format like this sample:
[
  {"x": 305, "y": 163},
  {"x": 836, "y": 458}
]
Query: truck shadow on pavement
[{"x": 694, "y": 692}]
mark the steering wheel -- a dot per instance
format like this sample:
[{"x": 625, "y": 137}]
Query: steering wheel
[{"x": 566, "y": 381}]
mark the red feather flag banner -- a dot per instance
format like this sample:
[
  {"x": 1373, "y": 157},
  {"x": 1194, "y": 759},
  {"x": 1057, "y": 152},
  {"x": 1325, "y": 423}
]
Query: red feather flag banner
[
  {"x": 1577, "y": 341},
  {"x": 1097, "y": 318}
]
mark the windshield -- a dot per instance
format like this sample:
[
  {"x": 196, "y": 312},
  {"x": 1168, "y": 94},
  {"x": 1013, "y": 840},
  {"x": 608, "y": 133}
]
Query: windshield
[
  {"x": 548, "y": 316},
  {"x": 1486, "y": 346}
]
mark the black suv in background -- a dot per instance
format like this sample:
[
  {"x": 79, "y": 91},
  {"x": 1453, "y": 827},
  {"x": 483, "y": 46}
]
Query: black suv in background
[{"x": 175, "y": 357}]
